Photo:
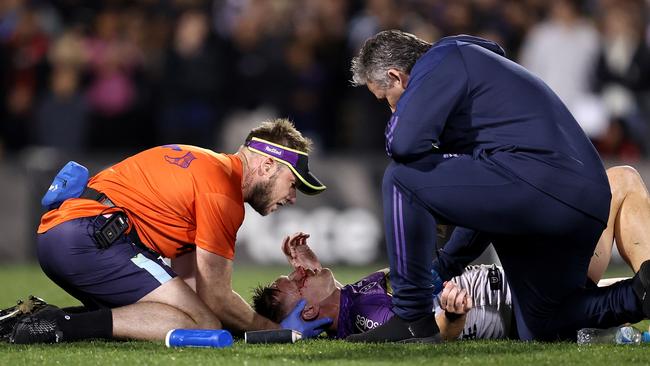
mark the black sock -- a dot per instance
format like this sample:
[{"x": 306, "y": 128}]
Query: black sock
[
  {"x": 76, "y": 309},
  {"x": 89, "y": 325}
]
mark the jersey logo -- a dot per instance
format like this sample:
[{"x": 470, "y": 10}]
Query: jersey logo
[
  {"x": 367, "y": 287},
  {"x": 365, "y": 324},
  {"x": 470, "y": 332},
  {"x": 183, "y": 162}
]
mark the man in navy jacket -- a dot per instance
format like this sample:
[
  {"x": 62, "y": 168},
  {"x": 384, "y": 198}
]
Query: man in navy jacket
[{"x": 479, "y": 142}]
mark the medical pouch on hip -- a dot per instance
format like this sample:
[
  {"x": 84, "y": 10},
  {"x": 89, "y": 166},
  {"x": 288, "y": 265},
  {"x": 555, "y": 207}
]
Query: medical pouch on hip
[{"x": 70, "y": 182}]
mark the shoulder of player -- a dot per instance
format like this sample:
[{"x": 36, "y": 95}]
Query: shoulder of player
[
  {"x": 438, "y": 53},
  {"x": 205, "y": 154},
  {"x": 211, "y": 163},
  {"x": 217, "y": 173}
]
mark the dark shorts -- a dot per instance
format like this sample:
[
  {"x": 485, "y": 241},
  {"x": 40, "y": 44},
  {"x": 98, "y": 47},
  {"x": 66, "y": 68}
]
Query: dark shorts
[{"x": 116, "y": 276}]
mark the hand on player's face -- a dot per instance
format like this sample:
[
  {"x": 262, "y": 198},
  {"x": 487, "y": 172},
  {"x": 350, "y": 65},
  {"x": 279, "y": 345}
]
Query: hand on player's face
[
  {"x": 455, "y": 300},
  {"x": 299, "y": 254}
]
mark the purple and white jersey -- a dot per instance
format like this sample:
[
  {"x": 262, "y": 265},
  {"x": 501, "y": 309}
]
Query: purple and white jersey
[{"x": 366, "y": 304}]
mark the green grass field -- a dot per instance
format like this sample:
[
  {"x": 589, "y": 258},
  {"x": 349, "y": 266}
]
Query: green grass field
[{"x": 19, "y": 281}]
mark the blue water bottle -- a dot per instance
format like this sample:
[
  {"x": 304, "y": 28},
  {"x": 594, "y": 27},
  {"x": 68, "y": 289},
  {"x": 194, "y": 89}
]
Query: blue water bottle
[{"x": 215, "y": 338}]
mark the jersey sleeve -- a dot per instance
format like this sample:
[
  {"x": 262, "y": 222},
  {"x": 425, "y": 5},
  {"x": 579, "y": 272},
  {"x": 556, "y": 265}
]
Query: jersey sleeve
[
  {"x": 437, "y": 85},
  {"x": 218, "y": 218},
  {"x": 368, "y": 313}
]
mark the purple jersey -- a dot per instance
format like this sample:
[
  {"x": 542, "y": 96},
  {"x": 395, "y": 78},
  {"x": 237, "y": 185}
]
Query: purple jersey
[{"x": 365, "y": 304}]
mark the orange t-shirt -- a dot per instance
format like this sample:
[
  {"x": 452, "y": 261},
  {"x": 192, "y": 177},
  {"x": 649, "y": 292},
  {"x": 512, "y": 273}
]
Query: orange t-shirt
[{"x": 176, "y": 196}]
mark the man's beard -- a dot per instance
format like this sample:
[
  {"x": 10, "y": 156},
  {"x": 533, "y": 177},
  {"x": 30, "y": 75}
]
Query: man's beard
[{"x": 260, "y": 196}]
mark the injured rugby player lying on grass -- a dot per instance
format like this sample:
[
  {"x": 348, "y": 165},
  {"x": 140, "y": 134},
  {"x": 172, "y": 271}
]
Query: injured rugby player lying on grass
[{"x": 475, "y": 305}]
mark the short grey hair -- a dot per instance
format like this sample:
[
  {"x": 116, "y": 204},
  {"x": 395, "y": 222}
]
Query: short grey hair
[{"x": 390, "y": 49}]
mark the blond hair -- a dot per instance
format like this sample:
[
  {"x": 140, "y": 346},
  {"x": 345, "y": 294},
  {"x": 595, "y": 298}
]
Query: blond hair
[{"x": 282, "y": 132}]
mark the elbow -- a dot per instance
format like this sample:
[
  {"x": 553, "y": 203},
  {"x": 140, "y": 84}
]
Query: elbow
[
  {"x": 398, "y": 152},
  {"x": 405, "y": 152}
]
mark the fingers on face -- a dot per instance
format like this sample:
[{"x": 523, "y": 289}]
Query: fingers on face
[
  {"x": 302, "y": 239},
  {"x": 298, "y": 238}
]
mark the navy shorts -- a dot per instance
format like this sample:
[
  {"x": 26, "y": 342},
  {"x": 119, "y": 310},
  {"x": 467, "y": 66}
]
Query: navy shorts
[{"x": 116, "y": 276}]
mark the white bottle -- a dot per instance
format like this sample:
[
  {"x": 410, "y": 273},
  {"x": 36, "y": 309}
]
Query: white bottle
[{"x": 616, "y": 335}]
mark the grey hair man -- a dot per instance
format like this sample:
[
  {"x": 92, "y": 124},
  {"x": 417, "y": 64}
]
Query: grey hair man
[{"x": 479, "y": 142}]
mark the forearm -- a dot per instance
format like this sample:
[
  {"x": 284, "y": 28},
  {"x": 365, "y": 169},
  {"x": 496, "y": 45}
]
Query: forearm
[
  {"x": 213, "y": 285},
  {"x": 235, "y": 314},
  {"x": 451, "y": 327},
  {"x": 463, "y": 247},
  {"x": 238, "y": 315}
]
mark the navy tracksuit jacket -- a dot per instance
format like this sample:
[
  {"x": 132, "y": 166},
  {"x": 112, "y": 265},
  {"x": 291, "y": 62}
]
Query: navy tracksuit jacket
[{"x": 479, "y": 142}]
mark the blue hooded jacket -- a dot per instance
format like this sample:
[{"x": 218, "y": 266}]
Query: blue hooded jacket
[{"x": 465, "y": 97}]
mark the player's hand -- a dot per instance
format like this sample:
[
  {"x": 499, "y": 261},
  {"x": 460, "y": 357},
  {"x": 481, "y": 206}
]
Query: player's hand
[
  {"x": 299, "y": 254},
  {"x": 455, "y": 300},
  {"x": 309, "y": 329}
]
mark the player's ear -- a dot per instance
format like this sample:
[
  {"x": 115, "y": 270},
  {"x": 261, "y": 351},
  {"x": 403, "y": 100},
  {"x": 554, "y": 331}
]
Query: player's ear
[
  {"x": 310, "y": 312},
  {"x": 398, "y": 78},
  {"x": 268, "y": 166}
]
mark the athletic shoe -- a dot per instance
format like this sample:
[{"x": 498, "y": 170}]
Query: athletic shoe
[
  {"x": 39, "y": 327},
  {"x": 9, "y": 316},
  {"x": 641, "y": 286},
  {"x": 423, "y": 330}
]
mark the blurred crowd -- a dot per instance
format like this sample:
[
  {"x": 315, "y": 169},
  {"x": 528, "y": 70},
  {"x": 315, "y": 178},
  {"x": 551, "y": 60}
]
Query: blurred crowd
[{"x": 85, "y": 76}]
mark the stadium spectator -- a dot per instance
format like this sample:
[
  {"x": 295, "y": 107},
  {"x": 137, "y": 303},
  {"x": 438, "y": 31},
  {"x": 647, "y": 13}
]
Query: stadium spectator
[
  {"x": 26, "y": 46},
  {"x": 61, "y": 119},
  {"x": 622, "y": 78},
  {"x": 62, "y": 113},
  {"x": 192, "y": 91},
  {"x": 562, "y": 51},
  {"x": 112, "y": 92},
  {"x": 259, "y": 44}
]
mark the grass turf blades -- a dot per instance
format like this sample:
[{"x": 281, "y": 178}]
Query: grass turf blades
[{"x": 20, "y": 281}]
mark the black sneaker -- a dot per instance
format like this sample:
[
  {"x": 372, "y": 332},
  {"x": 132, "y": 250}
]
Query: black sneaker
[
  {"x": 641, "y": 286},
  {"x": 423, "y": 330},
  {"x": 9, "y": 316},
  {"x": 39, "y": 327}
]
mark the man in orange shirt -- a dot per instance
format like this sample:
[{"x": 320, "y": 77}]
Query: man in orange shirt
[{"x": 176, "y": 201}]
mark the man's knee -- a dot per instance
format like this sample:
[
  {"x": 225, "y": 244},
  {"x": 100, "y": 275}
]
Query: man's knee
[
  {"x": 207, "y": 320},
  {"x": 625, "y": 180},
  {"x": 389, "y": 178},
  {"x": 177, "y": 294}
]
